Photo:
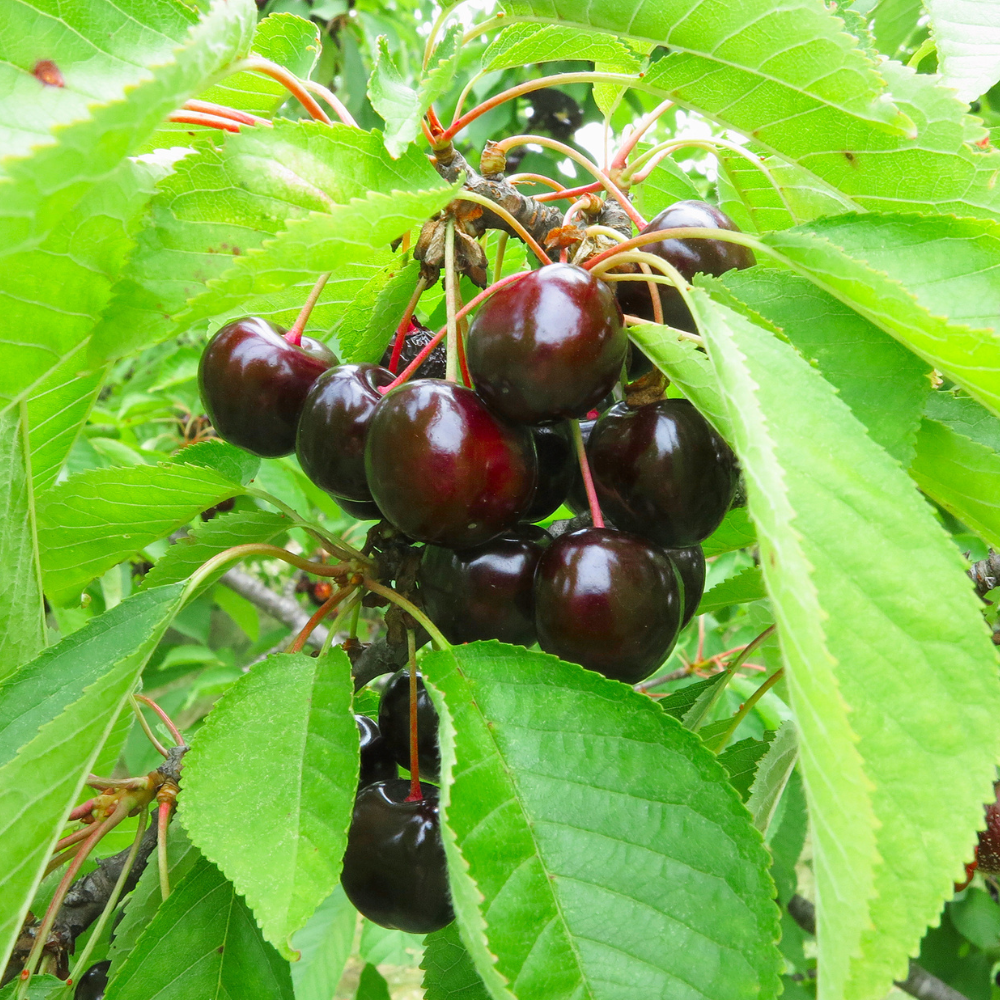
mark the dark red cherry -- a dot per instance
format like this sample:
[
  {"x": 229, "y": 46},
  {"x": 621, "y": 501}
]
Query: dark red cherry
[
  {"x": 688, "y": 256},
  {"x": 486, "y": 592},
  {"x": 394, "y": 867},
  {"x": 662, "y": 471},
  {"x": 333, "y": 428},
  {"x": 363, "y": 510},
  {"x": 548, "y": 346},
  {"x": 377, "y": 761},
  {"x": 988, "y": 851},
  {"x": 418, "y": 337},
  {"x": 690, "y": 563},
  {"x": 92, "y": 984},
  {"x": 394, "y": 724},
  {"x": 444, "y": 469},
  {"x": 609, "y": 601},
  {"x": 557, "y": 467},
  {"x": 253, "y": 384}
]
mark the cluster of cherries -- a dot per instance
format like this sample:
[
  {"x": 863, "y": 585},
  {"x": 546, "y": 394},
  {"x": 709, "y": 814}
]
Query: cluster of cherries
[{"x": 468, "y": 472}]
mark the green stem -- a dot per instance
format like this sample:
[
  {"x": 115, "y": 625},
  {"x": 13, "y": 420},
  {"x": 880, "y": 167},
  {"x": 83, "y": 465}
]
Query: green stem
[
  {"x": 501, "y": 248},
  {"x": 411, "y": 609},
  {"x": 335, "y": 544},
  {"x": 451, "y": 338},
  {"x": 926, "y": 48},
  {"x": 746, "y": 708}
]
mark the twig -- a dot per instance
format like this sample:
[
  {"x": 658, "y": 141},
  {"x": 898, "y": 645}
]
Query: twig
[
  {"x": 285, "y": 609},
  {"x": 985, "y": 574}
]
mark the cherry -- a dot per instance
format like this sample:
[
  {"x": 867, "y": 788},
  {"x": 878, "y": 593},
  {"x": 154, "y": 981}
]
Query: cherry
[
  {"x": 443, "y": 469},
  {"x": 394, "y": 724},
  {"x": 333, "y": 428},
  {"x": 417, "y": 338},
  {"x": 547, "y": 346},
  {"x": 363, "y": 510},
  {"x": 557, "y": 469},
  {"x": 988, "y": 851},
  {"x": 486, "y": 592},
  {"x": 609, "y": 601},
  {"x": 662, "y": 471},
  {"x": 394, "y": 867},
  {"x": 377, "y": 761},
  {"x": 688, "y": 256},
  {"x": 92, "y": 984},
  {"x": 253, "y": 384},
  {"x": 690, "y": 563}
]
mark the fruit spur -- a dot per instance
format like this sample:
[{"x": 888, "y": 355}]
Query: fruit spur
[{"x": 458, "y": 445}]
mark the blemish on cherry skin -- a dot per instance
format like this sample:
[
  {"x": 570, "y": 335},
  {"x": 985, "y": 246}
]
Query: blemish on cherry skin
[{"x": 48, "y": 73}]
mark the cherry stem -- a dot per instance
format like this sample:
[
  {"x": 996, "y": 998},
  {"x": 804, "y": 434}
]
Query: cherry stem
[
  {"x": 430, "y": 45},
  {"x": 621, "y": 157},
  {"x": 404, "y": 324},
  {"x": 440, "y": 335},
  {"x": 162, "y": 822},
  {"x": 670, "y": 274},
  {"x": 295, "y": 646},
  {"x": 167, "y": 721},
  {"x": 451, "y": 345},
  {"x": 295, "y": 86},
  {"x": 501, "y": 249},
  {"x": 570, "y": 192},
  {"x": 746, "y": 708},
  {"x": 294, "y": 335},
  {"x": 690, "y": 233},
  {"x": 537, "y": 179},
  {"x": 416, "y": 794},
  {"x": 588, "y": 479},
  {"x": 221, "y": 111},
  {"x": 82, "y": 810},
  {"x": 157, "y": 745},
  {"x": 80, "y": 965},
  {"x": 526, "y": 88},
  {"x": 200, "y": 118},
  {"x": 330, "y": 542},
  {"x": 411, "y": 609},
  {"x": 536, "y": 247},
  {"x": 335, "y": 103},
  {"x": 561, "y": 147},
  {"x": 463, "y": 361}
]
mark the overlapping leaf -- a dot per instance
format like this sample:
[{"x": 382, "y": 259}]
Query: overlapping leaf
[
  {"x": 521, "y": 44},
  {"x": 584, "y": 828},
  {"x": 285, "y": 725},
  {"x": 449, "y": 972},
  {"x": 967, "y": 36},
  {"x": 746, "y": 586},
  {"x": 324, "y": 945},
  {"x": 839, "y": 524}
]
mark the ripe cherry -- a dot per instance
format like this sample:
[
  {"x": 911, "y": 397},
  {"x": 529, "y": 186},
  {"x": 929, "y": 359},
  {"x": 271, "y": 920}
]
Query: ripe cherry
[
  {"x": 92, "y": 984},
  {"x": 394, "y": 867},
  {"x": 688, "y": 256},
  {"x": 253, "y": 384},
  {"x": 444, "y": 469},
  {"x": 609, "y": 601},
  {"x": 662, "y": 471},
  {"x": 394, "y": 724},
  {"x": 333, "y": 428},
  {"x": 486, "y": 592},
  {"x": 690, "y": 563},
  {"x": 417, "y": 338},
  {"x": 363, "y": 510},
  {"x": 988, "y": 851},
  {"x": 547, "y": 346},
  {"x": 377, "y": 761},
  {"x": 557, "y": 469}
]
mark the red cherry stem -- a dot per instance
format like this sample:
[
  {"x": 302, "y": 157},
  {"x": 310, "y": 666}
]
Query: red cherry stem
[
  {"x": 291, "y": 83},
  {"x": 588, "y": 479},
  {"x": 295, "y": 646},
  {"x": 680, "y": 232},
  {"x": 416, "y": 794},
  {"x": 167, "y": 721},
  {"x": 440, "y": 335},
  {"x": 463, "y": 362},
  {"x": 294, "y": 335},
  {"x": 200, "y": 118},
  {"x": 150, "y": 735},
  {"x": 335, "y": 103},
  {"x": 621, "y": 157},
  {"x": 569, "y": 192},
  {"x": 404, "y": 324},
  {"x": 222, "y": 111},
  {"x": 451, "y": 363}
]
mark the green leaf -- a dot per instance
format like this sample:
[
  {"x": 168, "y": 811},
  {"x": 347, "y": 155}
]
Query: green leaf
[
  {"x": 325, "y": 944},
  {"x": 387, "y": 946},
  {"x": 40, "y": 690},
  {"x": 288, "y": 723},
  {"x": 961, "y": 475},
  {"x": 895, "y": 21},
  {"x": 449, "y": 972},
  {"x": 370, "y": 320},
  {"x": 233, "y": 463},
  {"x": 94, "y": 520},
  {"x": 372, "y": 986},
  {"x": 815, "y": 479},
  {"x": 564, "y": 797},
  {"x": 521, "y": 44},
  {"x": 40, "y": 988},
  {"x": 40, "y": 784},
  {"x": 22, "y": 616},
  {"x": 209, "y": 539},
  {"x": 964, "y": 416},
  {"x": 883, "y": 383},
  {"x": 773, "y": 773},
  {"x": 741, "y": 760},
  {"x": 746, "y": 586},
  {"x": 202, "y": 943},
  {"x": 967, "y": 37},
  {"x": 666, "y": 184},
  {"x": 680, "y": 704},
  {"x": 786, "y": 837},
  {"x": 735, "y": 532}
]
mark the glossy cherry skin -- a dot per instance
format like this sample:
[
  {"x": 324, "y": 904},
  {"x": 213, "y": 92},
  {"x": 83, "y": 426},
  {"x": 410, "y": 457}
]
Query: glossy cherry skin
[
  {"x": 394, "y": 723},
  {"x": 333, "y": 428},
  {"x": 662, "y": 471},
  {"x": 557, "y": 469},
  {"x": 486, "y": 592},
  {"x": 690, "y": 564},
  {"x": 417, "y": 338},
  {"x": 444, "y": 469},
  {"x": 377, "y": 761},
  {"x": 394, "y": 867},
  {"x": 363, "y": 510},
  {"x": 609, "y": 601},
  {"x": 548, "y": 346},
  {"x": 93, "y": 983},
  {"x": 988, "y": 850},
  {"x": 688, "y": 256},
  {"x": 253, "y": 384}
]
